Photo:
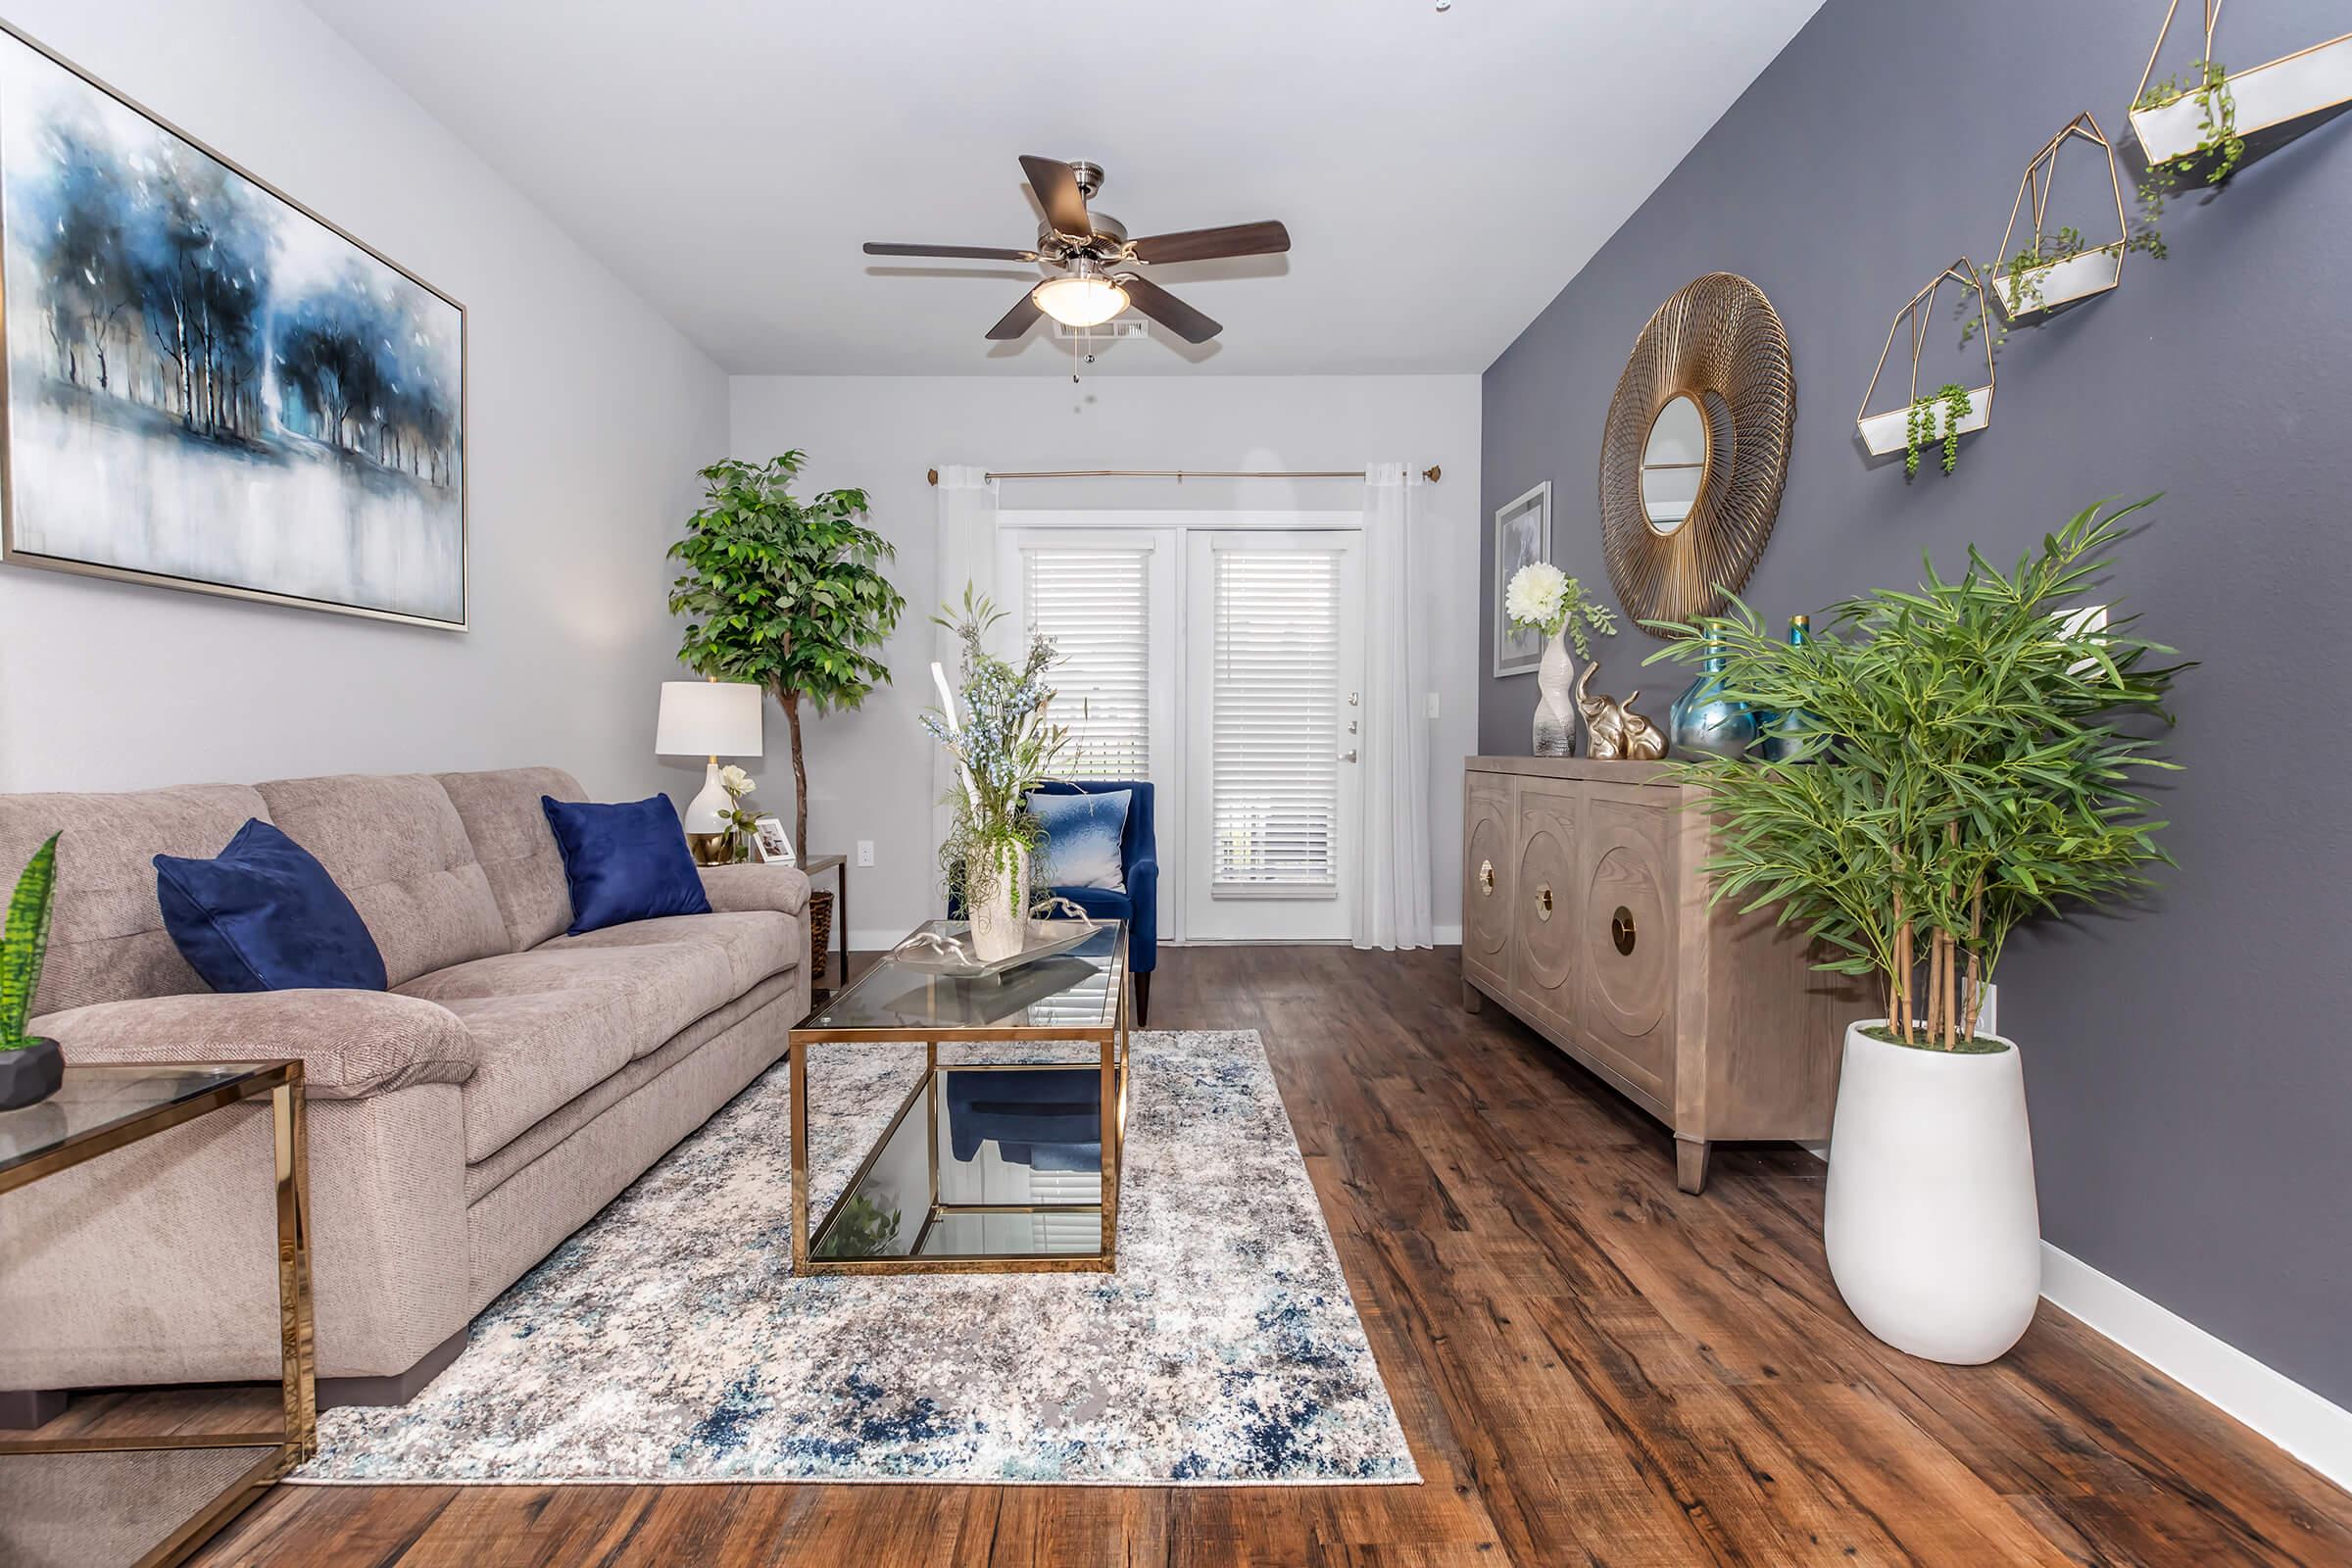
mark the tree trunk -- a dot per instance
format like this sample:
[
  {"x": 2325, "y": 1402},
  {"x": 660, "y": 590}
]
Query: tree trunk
[{"x": 800, "y": 773}]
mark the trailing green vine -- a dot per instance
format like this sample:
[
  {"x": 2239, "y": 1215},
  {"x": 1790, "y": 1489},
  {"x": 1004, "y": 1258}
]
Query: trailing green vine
[
  {"x": 1919, "y": 425},
  {"x": 2023, "y": 273},
  {"x": 2219, "y": 150}
]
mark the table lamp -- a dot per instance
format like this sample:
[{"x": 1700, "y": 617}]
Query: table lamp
[{"x": 710, "y": 719}]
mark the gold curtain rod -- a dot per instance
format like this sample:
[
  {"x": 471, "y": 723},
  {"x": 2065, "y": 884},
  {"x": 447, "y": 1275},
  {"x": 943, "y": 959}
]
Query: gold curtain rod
[{"x": 1432, "y": 473}]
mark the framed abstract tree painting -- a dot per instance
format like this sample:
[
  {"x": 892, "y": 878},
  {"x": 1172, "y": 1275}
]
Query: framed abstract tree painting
[{"x": 208, "y": 385}]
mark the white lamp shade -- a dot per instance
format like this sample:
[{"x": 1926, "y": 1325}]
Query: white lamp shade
[{"x": 709, "y": 719}]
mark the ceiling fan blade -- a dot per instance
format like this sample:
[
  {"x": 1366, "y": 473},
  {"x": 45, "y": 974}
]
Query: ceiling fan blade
[
  {"x": 1018, "y": 320},
  {"x": 972, "y": 253},
  {"x": 1167, "y": 310},
  {"x": 1057, "y": 192},
  {"x": 1207, "y": 244}
]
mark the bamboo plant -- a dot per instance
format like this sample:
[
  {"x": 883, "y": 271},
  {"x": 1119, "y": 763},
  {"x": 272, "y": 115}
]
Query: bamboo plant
[
  {"x": 1987, "y": 743},
  {"x": 25, "y": 945}
]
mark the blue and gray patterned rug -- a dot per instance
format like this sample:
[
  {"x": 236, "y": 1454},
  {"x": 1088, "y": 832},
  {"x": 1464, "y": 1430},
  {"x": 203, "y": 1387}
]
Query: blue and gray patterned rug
[{"x": 668, "y": 1341}]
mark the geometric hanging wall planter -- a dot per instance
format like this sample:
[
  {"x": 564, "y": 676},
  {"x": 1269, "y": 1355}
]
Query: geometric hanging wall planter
[
  {"x": 1891, "y": 430},
  {"x": 2054, "y": 272},
  {"x": 2274, "y": 103}
]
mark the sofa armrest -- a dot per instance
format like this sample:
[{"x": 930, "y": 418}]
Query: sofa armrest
[
  {"x": 755, "y": 885},
  {"x": 352, "y": 1044}
]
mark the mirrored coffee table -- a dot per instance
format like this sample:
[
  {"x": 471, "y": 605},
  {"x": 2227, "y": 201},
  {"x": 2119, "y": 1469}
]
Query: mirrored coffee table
[{"x": 990, "y": 1163}]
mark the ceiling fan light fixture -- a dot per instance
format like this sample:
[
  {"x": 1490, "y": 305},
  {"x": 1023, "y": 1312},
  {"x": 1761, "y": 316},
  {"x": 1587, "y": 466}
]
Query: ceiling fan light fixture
[{"x": 1085, "y": 298}]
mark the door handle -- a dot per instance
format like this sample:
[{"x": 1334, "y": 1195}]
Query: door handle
[{"x": 1348, "y": 756}]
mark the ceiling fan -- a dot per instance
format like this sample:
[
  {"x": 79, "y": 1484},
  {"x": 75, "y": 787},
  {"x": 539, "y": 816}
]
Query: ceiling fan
[{"x": 1093, "y": 252}]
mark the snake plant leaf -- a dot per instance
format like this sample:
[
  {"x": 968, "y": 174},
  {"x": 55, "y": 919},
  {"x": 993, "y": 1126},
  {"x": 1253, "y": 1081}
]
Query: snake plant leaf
[{"x": 24, "y": 942}]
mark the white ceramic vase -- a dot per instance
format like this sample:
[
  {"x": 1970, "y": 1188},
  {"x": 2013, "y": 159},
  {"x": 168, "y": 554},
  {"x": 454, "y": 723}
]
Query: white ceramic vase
[
  {"x": 1555, "y": 700},
  {"x": 996, "y": 898},
  {"x": 1932, "y": 1226}
]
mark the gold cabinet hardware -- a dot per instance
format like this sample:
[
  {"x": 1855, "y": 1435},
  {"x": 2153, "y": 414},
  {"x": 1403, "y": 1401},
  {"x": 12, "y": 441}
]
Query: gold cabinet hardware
[
  {"x": 1486, "y": 879},
  {"x": 1621, "y": 929},
  {"x": 1544, "y": 902}
]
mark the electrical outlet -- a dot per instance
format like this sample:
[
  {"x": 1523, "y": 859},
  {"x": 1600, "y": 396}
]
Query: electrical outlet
[
  {"x": 1433, "y": 705},
  {"x": 865, "y": 851}
]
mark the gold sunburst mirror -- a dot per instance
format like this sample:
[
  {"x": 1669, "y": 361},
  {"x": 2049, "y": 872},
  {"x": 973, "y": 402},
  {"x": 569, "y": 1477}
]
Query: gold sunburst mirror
[{"x": 1696, "y": 448}]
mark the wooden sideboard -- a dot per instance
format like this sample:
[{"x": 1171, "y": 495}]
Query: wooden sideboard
[{"x": 1584, "y": 913}]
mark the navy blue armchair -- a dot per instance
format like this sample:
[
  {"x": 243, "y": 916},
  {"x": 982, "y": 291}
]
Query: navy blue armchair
[{"x": 1139, "y": 906}]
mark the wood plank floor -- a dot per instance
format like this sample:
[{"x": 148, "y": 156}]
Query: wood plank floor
[{"x": 1592, "y": 1367}]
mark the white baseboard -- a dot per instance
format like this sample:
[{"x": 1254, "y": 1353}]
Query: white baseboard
[
  {"x": 2303, "y": 1423},
  {"x": 1447, "y": 936},
  {"x": 2307, "y": 1425}
]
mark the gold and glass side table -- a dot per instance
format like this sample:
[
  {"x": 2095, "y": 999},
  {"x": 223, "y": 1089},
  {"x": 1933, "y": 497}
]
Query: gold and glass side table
[
  {"x": 102, "y": 1109},
  {"x": 993, "y": 1166}
]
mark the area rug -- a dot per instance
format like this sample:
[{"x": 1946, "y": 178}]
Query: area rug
[{"x": 669, "y": 1339}]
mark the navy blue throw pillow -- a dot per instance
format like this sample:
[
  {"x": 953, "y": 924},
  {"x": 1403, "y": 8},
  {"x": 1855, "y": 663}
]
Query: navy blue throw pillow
[
  {"x": 264, "y": 915},
  {"x": 624, "y": 862}
]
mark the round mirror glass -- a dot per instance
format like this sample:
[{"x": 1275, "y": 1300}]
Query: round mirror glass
[{"x": 1674, "y": 463}]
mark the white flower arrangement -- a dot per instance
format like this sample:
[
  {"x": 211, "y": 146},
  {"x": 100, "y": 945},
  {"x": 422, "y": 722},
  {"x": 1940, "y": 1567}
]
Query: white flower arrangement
[
  {"x": 736, "y": 782},
  {"x": 1541, "y": 597}
]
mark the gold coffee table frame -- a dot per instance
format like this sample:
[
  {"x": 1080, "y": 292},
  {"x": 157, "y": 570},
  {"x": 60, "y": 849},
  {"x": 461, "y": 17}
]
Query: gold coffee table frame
[
  {"x": 843, "y": 1020},
  {"x": 296, "y": 1438}
]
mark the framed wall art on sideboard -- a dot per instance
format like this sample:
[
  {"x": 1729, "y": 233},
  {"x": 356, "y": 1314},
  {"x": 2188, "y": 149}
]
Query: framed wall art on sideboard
[
  {"x": 208, "y": 385},
  {"x": 1522, "y": 537}
]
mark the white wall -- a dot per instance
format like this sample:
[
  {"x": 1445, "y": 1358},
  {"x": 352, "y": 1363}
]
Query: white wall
[
  {"x": 588, "y": 418},
  {"x": 869, "y": 770}
]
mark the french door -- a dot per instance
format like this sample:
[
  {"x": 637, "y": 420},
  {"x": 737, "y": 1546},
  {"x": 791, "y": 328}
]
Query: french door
[
  {"x": 1223, "y": 664},
  {"x": 1274, "y": 657}
]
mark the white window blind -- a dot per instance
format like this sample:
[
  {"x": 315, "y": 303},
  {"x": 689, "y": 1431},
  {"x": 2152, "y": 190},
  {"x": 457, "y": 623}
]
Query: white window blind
[
  {"x": 1275, "y": 720},
  {"x": 1095, "y": 604}
]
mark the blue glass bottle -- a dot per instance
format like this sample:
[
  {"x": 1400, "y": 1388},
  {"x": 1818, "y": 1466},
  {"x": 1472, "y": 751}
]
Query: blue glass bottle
[
  {"x": 1795, "y": 736},
  {"x": 1705, "y": 721}
]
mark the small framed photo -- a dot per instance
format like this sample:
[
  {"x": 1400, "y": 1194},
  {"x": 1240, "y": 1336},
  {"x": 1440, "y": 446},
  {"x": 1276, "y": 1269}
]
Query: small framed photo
[
  {"x": 1522, "y": 537},
  {"x": 771, "y": 841}
]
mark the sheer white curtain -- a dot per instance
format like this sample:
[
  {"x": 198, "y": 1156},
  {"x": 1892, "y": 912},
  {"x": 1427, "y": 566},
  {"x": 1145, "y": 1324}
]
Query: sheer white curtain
[
  {"x": 1392, "y": 872},
  {"x": 967, "y": 554}
]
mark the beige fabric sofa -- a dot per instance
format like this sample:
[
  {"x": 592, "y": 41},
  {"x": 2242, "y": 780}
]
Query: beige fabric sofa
[{"x": 512, "y": 1081}]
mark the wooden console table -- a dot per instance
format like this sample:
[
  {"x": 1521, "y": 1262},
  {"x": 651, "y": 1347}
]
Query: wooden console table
[{"x": 1585, "y": 913}]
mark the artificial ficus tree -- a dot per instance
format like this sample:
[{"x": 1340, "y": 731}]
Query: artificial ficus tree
[
  {"x": 1981, "y": 773},
  {"x": 786, "y": 594}
]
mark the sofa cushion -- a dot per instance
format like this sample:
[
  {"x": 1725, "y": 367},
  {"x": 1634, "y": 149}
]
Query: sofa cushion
[
  {"x": 624, "y": 861},
  {"x": 1081, "y": 846},
  {"x": 508, "y": 828},
  {"x": 395, "y": 844},
  {"x": 756, "y": 944},
  {"x": 107, "y": 941},
  {"x": 264, "y": 915},
  {"x": 552, "y": 1023}
]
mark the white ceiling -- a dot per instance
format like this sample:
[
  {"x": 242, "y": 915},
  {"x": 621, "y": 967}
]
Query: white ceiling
[{"x": 1443, "y": 174}]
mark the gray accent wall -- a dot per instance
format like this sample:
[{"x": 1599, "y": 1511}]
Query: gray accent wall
[{"x": 2188, "y": 1066}]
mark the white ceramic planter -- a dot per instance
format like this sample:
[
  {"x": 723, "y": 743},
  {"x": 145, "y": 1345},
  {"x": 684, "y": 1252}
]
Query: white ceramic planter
[
  {"x": 997, "y": 904},
  {"x": 2275, "y": 101},
  {"x": 1887, "y": 433},
  {"x": 1933, "y": 1229},
  {"x": 2058, "y": 285}
]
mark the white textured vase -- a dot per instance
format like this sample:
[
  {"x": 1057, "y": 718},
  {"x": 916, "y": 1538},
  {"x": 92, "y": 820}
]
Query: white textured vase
[
  {"x": 1555, "y": 700},
  {"x": 996, "y": 898},
  {"x": 1931, "y": 1225}
]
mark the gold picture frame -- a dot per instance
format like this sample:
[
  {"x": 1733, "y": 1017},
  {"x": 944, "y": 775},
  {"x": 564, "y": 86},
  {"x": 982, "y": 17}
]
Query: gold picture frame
[{"x": 247, "y": 429}]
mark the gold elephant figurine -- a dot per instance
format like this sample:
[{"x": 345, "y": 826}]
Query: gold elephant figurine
[{"x": 1614, "y": 730}]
